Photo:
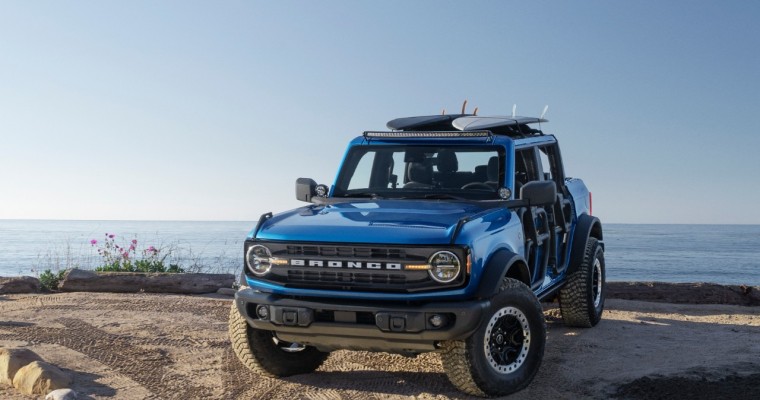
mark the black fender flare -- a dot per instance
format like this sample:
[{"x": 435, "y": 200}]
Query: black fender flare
[
  {"x": 587, "y": 226},
  {"x": 497, "y": 267}
]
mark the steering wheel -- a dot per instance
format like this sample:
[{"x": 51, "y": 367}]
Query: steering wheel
[{"x": 478, "y": 186}]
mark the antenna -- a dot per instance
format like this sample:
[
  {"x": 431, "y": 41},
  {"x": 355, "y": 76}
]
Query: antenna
[
  {"x": 464, "y": 105},
  {"x": 514, "y": 110},
  {"x": 546, "y": 108}
]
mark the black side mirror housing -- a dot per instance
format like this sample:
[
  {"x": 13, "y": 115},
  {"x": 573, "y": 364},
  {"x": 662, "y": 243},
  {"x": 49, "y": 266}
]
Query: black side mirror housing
[
  {"x": 539, "y": 193},
  {"x": 305, "y": 188}
]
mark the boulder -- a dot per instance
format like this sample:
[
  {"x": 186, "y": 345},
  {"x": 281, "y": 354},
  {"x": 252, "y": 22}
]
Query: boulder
[
  {"x": 40, "y": 377},
  {"x": 19, "y": 284},
  {"x": 685, "y": 293},
  {"x": 62, "y": 394},
  {"x": 11, "y": 360},
  {"x": 79, "y": 280},
  {"x": 227, "y": 292}
]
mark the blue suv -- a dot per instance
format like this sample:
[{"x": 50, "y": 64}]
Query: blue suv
[{"x": 442, "y": 234}]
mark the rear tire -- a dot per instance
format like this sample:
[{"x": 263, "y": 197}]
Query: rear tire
[
  {"x": 503, "y": 355},
  {"x": 581, "y": 300},
  {"x": 261, "y": 351}
]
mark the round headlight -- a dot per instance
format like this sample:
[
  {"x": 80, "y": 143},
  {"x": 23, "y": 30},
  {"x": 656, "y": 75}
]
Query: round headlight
[
  {"x": 257, "y": 258},
  {"x": 444, "y": 266},
  {"x": 321, "y": 190}
]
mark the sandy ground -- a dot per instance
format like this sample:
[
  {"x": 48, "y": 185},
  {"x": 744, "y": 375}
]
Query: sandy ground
[{"x": 139, "y": 346}]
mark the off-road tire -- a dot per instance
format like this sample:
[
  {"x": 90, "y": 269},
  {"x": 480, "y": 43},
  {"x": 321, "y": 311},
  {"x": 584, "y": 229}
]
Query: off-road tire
[
  {"x": 257, "y": 350},
  {"x": 581, "y": 300},
  {"x": 466, "y": 363}
]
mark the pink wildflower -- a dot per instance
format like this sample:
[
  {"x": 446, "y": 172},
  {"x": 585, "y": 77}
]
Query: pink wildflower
[
  {"x": 111, "y": 236},
  {"x": 125, "y": 254},
  {"x": 134, "y": 241},
  {"x": 152, "y": 249},
  {"x": 131, "y": 247},
  {"x": 93, "y": 242}
]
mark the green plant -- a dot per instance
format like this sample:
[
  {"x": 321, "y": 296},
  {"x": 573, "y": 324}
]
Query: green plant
[
  {"x": 118, "y": 258},
  {"x": 49, "y": 280}
]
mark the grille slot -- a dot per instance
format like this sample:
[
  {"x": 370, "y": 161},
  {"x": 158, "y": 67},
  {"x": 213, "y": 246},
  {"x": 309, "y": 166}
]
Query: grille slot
[
  {"x": 297, "y": 275},
  {"x": 353, "y": 252}
]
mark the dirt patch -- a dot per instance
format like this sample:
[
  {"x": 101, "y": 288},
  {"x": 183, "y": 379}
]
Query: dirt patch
[{"x": 171, "y": 346}]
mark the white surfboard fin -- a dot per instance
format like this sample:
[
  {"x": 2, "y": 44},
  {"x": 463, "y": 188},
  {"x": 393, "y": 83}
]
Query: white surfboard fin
[
  {"x": 543, "y": 113},
  {"x": 514, "y": 110}
]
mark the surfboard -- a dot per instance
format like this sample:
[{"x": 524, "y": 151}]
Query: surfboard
[
  {"x": 475, "y": 123},
  {"x": 424, "y": 122}
]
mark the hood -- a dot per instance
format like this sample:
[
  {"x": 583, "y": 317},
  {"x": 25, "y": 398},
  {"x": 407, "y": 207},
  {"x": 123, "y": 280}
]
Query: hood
[{"x": 377, "y": 221}]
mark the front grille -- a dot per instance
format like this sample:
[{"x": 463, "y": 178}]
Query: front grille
[
  {"x": 352, "y": 252},
  {"x": 363, "y": 279},
  {"x": 378, "y": 278}
]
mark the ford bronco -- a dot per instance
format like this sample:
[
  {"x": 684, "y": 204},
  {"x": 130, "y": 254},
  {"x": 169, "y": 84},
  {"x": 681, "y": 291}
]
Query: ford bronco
[{"x": 442, "y": 234}]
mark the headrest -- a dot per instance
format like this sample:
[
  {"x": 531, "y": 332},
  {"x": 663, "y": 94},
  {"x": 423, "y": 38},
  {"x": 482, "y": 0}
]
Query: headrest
[
  {"x": 447, "y": 162},
  {"x": 414, "y": 156},
  {"x": 419, "y": 172}
]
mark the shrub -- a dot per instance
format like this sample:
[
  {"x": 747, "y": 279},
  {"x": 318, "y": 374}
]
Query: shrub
[
  {"x": 118, "y": 258},
  {"x": 49, "y": 280}
]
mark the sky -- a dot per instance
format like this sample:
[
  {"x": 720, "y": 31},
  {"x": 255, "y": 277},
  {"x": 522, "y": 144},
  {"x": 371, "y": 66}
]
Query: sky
[{"x": 197, "y": 110}]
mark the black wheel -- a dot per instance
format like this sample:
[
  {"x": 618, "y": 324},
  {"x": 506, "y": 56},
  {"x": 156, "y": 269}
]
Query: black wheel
[
  {"x": 261, "y": 351},
  {"x": 505, "y": 352},
  {"x": 581, "y": 300}
]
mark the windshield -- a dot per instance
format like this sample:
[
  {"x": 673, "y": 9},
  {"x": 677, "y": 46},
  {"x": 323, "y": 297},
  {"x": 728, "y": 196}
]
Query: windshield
[{"x": 465, "y": 172}]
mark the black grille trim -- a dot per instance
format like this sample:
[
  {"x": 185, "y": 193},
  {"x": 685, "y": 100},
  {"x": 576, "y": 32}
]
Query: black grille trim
[{"x": 353, "y": 279}]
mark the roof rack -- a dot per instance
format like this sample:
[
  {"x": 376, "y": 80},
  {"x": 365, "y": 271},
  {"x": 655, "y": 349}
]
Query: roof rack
[{"x": 426, "y": 134}]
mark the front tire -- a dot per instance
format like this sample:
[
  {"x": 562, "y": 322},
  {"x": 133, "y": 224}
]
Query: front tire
[
  {"x": 261, "y": 351},
  {"x": 503, "y": 355},
  {"x": 581, "y": 300}
]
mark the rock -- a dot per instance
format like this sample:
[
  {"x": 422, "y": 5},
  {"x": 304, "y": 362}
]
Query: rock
[
  {"x": 226, "y": 291},
  {"x": 78, "y": 280},
  {"x": 62, "y": 394},
  {"x": 11, "y": 360},
  {"x": 40, "y": 377},
  {"x": 19, "y": 284},
  {"x": 685, "y": 293}
]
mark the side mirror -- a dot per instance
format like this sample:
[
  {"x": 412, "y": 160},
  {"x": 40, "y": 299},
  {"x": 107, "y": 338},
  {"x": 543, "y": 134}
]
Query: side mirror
[
  {"x": 539, "y": 193},
  {"x": 305, "y": 188}
]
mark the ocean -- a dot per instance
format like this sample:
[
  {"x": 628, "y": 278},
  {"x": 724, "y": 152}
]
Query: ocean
[{"x": 728, "y": 254}]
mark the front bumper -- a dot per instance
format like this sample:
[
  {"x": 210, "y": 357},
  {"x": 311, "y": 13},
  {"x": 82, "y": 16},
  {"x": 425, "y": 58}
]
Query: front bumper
[{"x": 330, "y": 325}]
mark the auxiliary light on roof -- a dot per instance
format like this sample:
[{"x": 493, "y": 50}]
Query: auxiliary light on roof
[{"x": 428, "y": 134}]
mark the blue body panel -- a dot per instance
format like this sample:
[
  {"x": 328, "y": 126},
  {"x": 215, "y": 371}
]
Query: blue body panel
[
  {"x": 580, "y": 196},
  {"x": 378, "y": 221}
]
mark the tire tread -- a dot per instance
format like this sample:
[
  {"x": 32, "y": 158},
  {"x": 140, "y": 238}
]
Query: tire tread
[
  {"x": 268, "y": 361},
  {"x": 458, "y": 365},
  {"x": 574, "y": 296}
]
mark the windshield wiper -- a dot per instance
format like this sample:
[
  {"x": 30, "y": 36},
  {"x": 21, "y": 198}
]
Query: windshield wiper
[
  {"x": 372, "y": 195},
  {"x": 442, "y": 196}
]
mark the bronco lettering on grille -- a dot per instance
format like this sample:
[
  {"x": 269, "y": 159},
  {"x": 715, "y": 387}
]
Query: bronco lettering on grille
[{"x": 345, "y": 264}]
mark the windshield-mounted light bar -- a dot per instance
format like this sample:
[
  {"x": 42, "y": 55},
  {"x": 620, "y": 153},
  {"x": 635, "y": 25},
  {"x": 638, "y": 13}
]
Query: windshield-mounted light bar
[{"x": 426, "y": 134}]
